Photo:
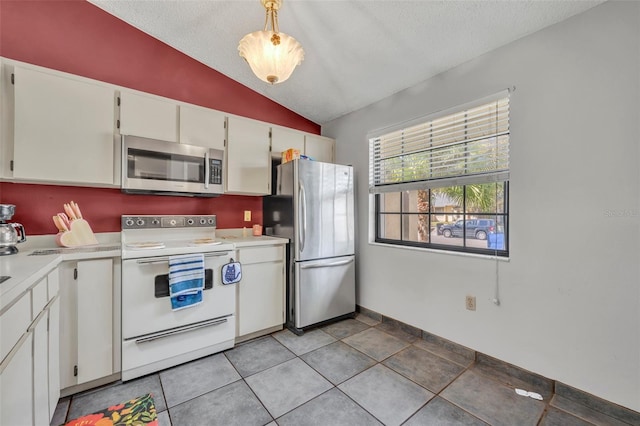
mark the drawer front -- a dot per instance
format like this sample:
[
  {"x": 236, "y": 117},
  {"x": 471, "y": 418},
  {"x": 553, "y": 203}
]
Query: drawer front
[
  {"x": 53, "y": 283},
  {"x": 39, "y": 298},
  {"x": 261, "y": 254},
  {"x": 153, "y": 353},
  {"x": 14, "y": 323}
]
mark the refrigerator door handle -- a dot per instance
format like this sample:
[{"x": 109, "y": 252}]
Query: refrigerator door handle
[
  {"x": 302, "y": 232},
  {"x": 327, "y": 265}
]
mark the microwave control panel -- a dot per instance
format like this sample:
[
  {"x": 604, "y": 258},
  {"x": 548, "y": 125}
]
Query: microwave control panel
[{"x": 215, "y": 171}]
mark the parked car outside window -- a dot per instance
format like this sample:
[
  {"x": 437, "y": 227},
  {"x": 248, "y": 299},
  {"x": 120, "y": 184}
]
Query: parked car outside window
[{"x": 475, "y": 228}]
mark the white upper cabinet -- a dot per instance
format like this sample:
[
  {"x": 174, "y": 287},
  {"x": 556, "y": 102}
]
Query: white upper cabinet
[
  {"x": 63, "y": 129},
  {"x": 148, "y": 116},
  {"x": 283, "y": 139},
  {"x": 202, "y": 127},
  {"x": 319, "y": 148},
  {"x": 248, "y": 157}
]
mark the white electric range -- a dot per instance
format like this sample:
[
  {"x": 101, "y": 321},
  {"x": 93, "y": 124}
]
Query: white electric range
[{"x": 154, "y": 336}]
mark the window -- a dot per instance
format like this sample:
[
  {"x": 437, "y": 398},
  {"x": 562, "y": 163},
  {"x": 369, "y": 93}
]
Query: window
[{"x": 442, "y": 182}]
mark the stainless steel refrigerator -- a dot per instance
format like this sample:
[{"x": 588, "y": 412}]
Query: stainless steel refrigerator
[{"x": 313, "y": 206}]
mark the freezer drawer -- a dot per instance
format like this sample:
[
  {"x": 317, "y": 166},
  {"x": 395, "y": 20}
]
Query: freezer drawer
[{"x": 324, "y": 289}]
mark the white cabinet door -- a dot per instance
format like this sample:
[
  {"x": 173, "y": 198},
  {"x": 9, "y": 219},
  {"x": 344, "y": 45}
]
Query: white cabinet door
[
  {"x": 40, "y": 370},
  {"x": 63, "y": 129},
  {"x": 86, "y": 321},
  {"x": 95, "y": 319},
  {"x": 68, "y": 324},
  {"x": 261, "y": 291},
  {"x": 6, "y": 118},
  {"x": 16, "y": 385},
  {"x": 248, "y": 157},
  {"x": 148, "y": 116},
  {"x": 14, "y": 323},
  {"x": 283, "y": 139},
  {"x": 202, "y": 127},
  {"x": 319, "y": 148},
  {"x": 54, "y": 355}
]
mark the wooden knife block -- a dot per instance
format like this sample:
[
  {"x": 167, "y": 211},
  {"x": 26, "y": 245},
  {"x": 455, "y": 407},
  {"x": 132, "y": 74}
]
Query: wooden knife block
[{"x": 79, "y": 235}]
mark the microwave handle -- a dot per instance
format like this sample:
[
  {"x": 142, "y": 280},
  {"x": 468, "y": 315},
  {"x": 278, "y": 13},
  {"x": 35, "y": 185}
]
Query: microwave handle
[{"x": 207, "y": 170}]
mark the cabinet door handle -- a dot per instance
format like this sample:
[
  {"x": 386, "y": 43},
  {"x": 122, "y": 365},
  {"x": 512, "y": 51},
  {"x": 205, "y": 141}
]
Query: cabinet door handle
[{"x": 7, "y": 359}]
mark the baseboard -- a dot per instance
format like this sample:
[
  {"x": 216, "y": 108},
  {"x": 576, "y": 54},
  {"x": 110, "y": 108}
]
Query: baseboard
[{"x": 514, "y": 375}]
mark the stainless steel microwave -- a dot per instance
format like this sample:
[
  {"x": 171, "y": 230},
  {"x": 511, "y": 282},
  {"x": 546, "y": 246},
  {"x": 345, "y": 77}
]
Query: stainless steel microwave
[{"x": 151, "y": 166}]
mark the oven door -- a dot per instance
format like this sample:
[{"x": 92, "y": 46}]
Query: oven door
[{"x": 146, "y": 306}]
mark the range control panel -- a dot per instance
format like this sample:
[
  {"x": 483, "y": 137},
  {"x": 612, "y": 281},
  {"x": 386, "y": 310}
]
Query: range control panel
[{"x": 152, "y": 222}]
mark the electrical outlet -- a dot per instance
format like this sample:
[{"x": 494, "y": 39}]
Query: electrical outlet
[
  {"x": 470, "y": 303},
  {"x": 247, "y": 215}
]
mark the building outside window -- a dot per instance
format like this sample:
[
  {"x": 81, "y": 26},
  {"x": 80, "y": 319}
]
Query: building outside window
[{"x": 442, "y": 182}]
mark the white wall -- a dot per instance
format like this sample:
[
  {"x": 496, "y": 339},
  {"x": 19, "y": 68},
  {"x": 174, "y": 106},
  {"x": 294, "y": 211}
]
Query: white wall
[{"x": 570, "y": 292}]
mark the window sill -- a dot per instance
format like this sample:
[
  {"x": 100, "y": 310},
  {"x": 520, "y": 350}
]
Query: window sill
[{"x": 443, "y": 252}]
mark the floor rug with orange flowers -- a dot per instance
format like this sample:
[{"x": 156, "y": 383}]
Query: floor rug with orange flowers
[{"x": 138, "y": 411}]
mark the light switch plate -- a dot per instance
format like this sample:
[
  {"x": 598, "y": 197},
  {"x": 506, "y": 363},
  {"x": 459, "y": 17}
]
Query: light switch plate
[{"x": 247, "y": 215}]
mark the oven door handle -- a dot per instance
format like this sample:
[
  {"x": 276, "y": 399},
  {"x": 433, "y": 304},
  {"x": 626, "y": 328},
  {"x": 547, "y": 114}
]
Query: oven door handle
[
  {"x": 165, "y": 259},
  {"x": 179, "y": 330}
]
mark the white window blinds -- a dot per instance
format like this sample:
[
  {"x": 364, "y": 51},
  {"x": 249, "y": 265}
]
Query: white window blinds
[{"x": 466, "y": 147}]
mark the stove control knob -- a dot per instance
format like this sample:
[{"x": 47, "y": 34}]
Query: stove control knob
[
  {"x": 155, "y": 222},
  {"x": 140, "y": 222},
  {"x": 211, "y": 221},
  {"x": 172, "y": 222},
  {"x": 129, "y": 222},
  {"x": 190, "y": 221},
  {"x": 203, "y": 221}
]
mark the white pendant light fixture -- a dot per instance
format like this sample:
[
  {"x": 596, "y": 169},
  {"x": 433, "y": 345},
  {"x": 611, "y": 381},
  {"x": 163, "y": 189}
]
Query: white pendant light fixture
[{"x": 272, "y": 55}]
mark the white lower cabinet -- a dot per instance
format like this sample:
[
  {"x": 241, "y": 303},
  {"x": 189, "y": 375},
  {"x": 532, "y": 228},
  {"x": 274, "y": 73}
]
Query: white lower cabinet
[
  {"x": 54, "y": 355},
  {"x": 16, "y": 384},
  {"x": 86, "y": 346},
  {"x": 29, "y": 373},
  {"x": 40, "y": 370},
  {"x": 261, "y": 292}
]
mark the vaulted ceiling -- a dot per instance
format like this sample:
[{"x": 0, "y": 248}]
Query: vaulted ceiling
[{"x": 356, "y": 52}]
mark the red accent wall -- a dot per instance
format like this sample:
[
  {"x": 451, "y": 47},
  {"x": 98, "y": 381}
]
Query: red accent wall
[
  {"x": 102, "y": 207},
  {"x": 77, "y": 37}
]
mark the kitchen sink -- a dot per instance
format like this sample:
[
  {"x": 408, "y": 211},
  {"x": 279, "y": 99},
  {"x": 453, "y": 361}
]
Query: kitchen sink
[{"x": 73, "y": 250}]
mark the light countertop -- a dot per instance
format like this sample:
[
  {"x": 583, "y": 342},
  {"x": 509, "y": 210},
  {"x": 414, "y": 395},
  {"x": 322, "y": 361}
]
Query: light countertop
[
  {"x": 239, "y": 241},
  {"x": 25, "y": 269}
]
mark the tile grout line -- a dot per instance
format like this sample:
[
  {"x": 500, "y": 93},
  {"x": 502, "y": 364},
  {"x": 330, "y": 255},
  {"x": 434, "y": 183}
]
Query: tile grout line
[
  {"x": 346, "y": 380},
  {"x": 247, "y": 384},
  {"x": 334, "y": 386}
]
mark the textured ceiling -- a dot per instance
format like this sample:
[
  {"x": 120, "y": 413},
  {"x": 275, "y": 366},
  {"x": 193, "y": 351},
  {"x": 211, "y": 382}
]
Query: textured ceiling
[{"x": 356, "y": 52}]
